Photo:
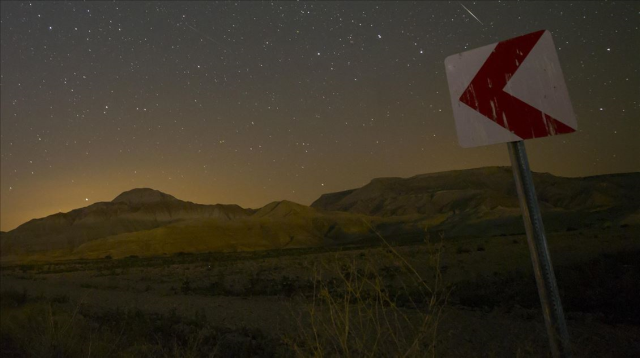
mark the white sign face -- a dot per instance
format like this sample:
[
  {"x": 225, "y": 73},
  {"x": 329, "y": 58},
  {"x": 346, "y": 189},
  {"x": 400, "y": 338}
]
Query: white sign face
[{"x": 509, "y": 91}]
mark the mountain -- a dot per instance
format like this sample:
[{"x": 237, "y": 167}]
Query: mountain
[
  {"x": 277, "y": 225},
  {"x": 485, "y": 199},
  {"x": 149, "y": 222},
  {"x": 143, "y": 196},
  {"x": 131, "y": 211},
  {"x": 476, "y": 202},
  {"x": 479, "y": 189}
]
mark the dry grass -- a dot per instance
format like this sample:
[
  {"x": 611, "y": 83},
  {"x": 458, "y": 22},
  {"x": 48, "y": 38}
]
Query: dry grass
[
  {"x": 357, "y": 311},
  {"x": 361, "y": 301},
  {"x": 56, "y": 327}
]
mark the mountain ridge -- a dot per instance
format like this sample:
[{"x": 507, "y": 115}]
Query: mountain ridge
[
  {"x": 142, "y": 196},
  {"x": 481, "y": 201},
  {"x": 493, "y": 186},
  {"x": 133, "y": 210}
]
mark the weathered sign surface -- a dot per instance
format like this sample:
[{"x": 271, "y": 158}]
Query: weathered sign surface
[{"x": 509, "y": 91}]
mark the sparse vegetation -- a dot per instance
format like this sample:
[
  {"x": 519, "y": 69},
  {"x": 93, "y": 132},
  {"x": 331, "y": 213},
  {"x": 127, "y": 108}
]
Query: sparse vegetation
[
  {"x": 38, "y": 327},
  {"x": 462, "y": 250},
  {"x": 361, "y": 313},
  {"x": 282, "y": 302}
]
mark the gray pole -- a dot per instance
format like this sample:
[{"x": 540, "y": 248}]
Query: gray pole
[{"x": 546, "y": 279}]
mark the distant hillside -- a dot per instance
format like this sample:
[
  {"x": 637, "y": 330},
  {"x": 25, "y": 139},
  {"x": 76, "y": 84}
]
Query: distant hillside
[
  {"x": 480, "y": 189},
  {"x": 148, "y": 222},
  {"x": 278, "y": 225},
  {"x": 486, "y": 199},
  {"x": 477, "y": 202},
  {"x": 131, "y": 211}
]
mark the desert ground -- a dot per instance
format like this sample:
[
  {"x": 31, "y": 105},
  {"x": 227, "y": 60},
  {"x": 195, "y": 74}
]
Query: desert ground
[{"x": 437, "y": 296}]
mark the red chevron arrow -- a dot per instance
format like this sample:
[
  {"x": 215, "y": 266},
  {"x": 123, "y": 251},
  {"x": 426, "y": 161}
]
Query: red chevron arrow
[{"x": 486, "y": 92}]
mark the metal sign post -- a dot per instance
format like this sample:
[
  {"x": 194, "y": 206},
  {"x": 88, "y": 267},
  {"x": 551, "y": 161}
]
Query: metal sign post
[{"x": 545, "y": 278}]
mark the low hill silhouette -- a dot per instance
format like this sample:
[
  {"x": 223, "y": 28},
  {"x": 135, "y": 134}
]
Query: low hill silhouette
[
  {"x": 480, "y": 189},
  {"x": 485, "y": 201},
  {"x": 131, "y": 211},
  {"x": 475, "y": 202}
]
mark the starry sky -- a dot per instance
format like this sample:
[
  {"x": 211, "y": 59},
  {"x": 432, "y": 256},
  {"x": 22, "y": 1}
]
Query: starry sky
[{"x": 251, "y": 102}]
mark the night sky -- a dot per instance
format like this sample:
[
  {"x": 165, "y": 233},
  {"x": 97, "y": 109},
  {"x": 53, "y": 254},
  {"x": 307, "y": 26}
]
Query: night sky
[{"x": 251, "y": 102}]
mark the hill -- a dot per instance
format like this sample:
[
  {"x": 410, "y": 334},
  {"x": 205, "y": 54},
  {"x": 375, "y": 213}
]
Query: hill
[
  {"x": 485, "y": 200},
  {"x": 277, "y": 225},
  {"x": 477, "y": 202},
  {"x": 132, "y": 211},
  {"x": 145, "y": 222}
]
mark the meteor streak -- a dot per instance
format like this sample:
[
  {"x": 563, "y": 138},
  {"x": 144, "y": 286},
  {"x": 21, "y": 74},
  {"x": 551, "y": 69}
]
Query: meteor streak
[
  {"x": 474, "y": 16},
  {"x": 205, "y": 35}
]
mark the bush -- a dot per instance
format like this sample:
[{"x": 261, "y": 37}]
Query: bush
[
  {"x": 185, "y": 288},
  {"x": 47, "y": 328},
  {"x": 361, "y": 313},
  {"x": 462, "y": 250}
]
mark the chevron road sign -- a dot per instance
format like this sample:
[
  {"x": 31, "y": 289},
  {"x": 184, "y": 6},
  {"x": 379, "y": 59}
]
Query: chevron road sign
[{"x": 509, "y": 91}]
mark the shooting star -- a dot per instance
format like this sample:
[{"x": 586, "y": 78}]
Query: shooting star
[
  {"x": 474, "y": 16},
  {"x": 206, "y": 36}
]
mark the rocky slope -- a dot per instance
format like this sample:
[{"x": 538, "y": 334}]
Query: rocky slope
[
  {"x": 149, "y": 222},
  {"x": 484, "y": 201},
  {"x": 131, "y": 211},
  {"x": 277, "y": 225},
  {"x": 481, "y": 190},
  {"x": 476, "y": 202}
]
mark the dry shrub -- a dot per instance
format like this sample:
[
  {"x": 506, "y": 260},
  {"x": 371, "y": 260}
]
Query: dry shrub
[{"x": 373, "y": 305}]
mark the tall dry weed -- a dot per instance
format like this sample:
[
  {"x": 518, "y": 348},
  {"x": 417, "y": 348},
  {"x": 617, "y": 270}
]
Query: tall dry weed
[{"x": 375, "y": 304}]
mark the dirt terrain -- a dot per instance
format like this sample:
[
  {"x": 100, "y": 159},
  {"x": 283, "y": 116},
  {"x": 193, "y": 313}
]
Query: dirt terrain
[{"x": 487, "y": 302}]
